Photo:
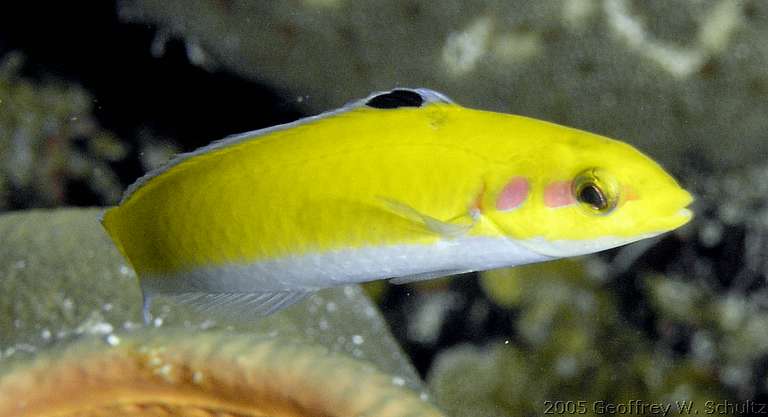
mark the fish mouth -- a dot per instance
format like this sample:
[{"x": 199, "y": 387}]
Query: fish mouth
[
  {"x": 682, "y": 215},
  {"x": 685, "y": 212}
]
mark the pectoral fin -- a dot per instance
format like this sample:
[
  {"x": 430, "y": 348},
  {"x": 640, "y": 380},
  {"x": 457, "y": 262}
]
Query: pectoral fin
[{"x": 449, "y": 229}]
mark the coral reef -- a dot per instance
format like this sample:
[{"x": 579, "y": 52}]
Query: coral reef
[{"x": 677, "y": 79}]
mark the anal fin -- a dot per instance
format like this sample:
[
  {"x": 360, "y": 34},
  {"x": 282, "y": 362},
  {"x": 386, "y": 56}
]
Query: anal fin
[{"x": 238, "y": 305}]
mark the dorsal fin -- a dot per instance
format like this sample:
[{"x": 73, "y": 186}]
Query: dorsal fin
[{"x": 384, "y": 99}]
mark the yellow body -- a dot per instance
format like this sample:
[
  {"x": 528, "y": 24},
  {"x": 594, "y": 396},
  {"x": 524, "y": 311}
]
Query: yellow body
[{"x": 330, "y": 183}]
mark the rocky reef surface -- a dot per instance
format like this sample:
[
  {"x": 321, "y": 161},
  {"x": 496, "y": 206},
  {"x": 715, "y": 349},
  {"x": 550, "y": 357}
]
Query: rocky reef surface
[{"x": 64, "y": 286}]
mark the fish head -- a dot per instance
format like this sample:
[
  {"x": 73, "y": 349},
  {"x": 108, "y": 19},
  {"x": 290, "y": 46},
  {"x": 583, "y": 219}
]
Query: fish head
[{"x": 586, "y": 193}]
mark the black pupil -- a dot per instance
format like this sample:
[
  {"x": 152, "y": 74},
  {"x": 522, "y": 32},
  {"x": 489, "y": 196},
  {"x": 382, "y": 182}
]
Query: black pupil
[{"x": 592, "y": 195}]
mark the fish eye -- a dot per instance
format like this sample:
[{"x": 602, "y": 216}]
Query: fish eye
[
  {"x": 592, "y": 195},
  {"x": 595, "y": 191}
]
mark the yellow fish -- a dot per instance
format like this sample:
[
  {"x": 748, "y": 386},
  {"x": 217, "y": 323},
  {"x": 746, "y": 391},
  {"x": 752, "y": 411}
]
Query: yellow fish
[{"x": 405, "y": 185}]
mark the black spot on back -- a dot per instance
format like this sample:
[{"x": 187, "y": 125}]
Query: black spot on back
[{"x": 395, "y": 99}]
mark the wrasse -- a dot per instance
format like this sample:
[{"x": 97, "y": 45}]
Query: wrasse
[{"x": 403, "y": 185}]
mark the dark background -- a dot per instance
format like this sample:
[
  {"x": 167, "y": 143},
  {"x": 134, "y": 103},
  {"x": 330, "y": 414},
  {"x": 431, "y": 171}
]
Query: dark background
[{"x": 86, "y": 44}]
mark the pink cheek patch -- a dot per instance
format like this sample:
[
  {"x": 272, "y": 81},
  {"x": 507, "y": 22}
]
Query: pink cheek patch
[
  {"x": 558, "y": 194},
  {"x": 630, "y": 193},
  {"x": 513, "y": 194}
]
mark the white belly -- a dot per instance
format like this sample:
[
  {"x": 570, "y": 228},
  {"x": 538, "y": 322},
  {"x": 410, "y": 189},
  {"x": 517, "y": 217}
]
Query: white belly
[{"x": 339, "y": 267}]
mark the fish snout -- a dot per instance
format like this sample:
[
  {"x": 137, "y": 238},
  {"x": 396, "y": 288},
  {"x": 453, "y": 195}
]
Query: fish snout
[{"x": 676, "y": 212}]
